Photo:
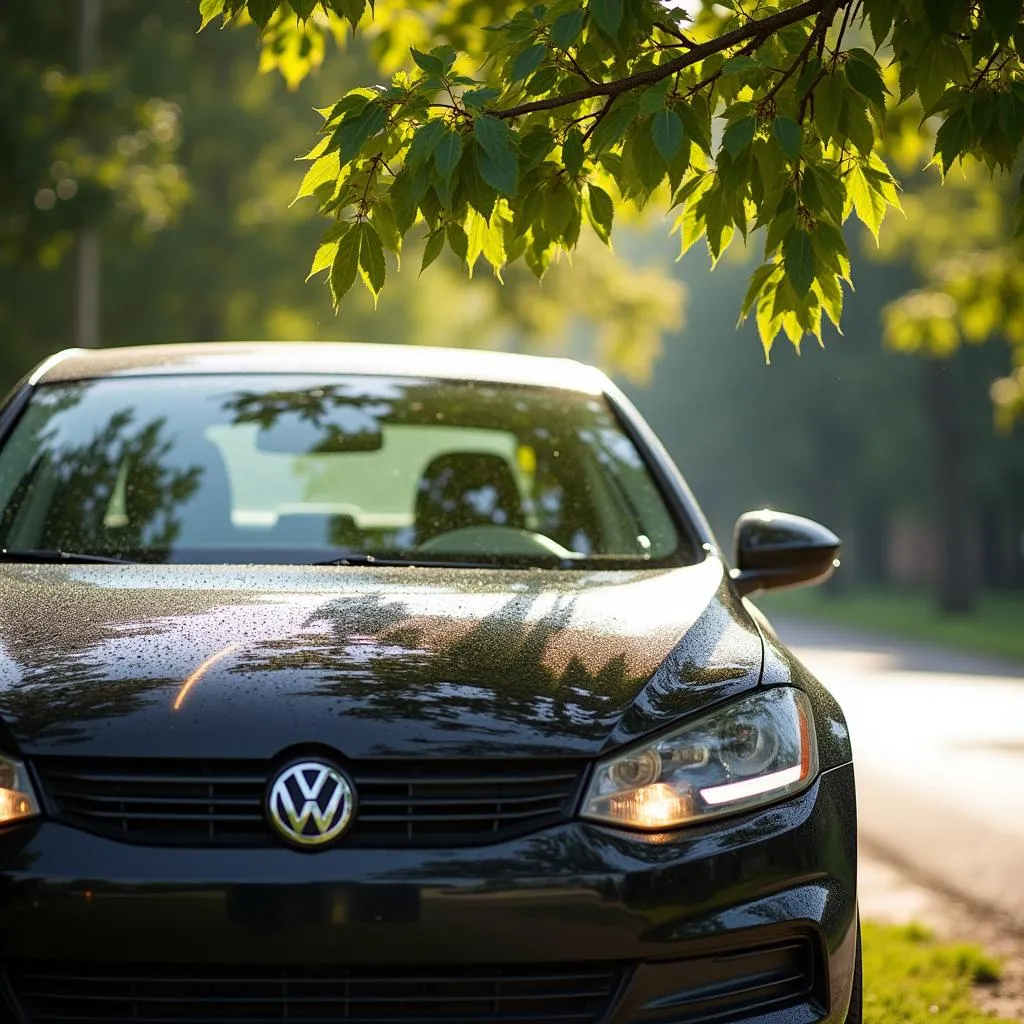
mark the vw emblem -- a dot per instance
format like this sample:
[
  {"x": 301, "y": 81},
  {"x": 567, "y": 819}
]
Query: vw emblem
[{"x": 311, "y": 803}]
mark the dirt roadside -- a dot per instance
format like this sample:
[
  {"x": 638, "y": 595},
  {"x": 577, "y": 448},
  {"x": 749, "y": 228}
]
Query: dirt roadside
[{"x": 891, "y": 895}]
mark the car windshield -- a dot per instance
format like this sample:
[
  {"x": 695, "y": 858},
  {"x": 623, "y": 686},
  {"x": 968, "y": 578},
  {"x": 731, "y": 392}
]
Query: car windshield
[{"x": 297, "y": 469}]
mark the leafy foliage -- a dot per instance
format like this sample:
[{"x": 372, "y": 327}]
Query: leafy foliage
[
  {"x": 76, "y": 150},
  {"x": 759, "y": 116},
  {"x": 971, "y": 270}
]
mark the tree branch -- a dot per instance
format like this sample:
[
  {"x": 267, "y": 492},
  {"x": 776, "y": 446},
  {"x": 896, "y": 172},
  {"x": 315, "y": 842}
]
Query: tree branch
[
  {"x": 763, "y": 27},
  {"x": 984, "y": 71},
  {"x": 820, "y": 30},
  {"x": 577, "y": 68},
  {"x": 671, "y": 30},
  {"x": 599, "y": 118}
]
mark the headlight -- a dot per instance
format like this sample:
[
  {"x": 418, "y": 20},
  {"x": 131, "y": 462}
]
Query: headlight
[
  {"x": 747, "y": 754},
  {"x": 17, "y": 799}
]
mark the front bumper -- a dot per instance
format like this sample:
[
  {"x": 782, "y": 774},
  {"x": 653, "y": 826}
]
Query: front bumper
[{"x": 680, "y": 918}]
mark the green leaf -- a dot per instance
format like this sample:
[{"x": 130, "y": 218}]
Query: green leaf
[
  {"x": 526, "y": 213},
  {"x": 787, "y": 134},
  {"x": 261, "y": 11},
  {"x": 354, "y": 132},
  {"x": 867, "y": 80},
  {"x": 496, "y": 158},
  {"x": 458, "y": 240},
  {"x": 880, "y": 15},
  {"x": 477, "y": 229},
  {"x": 534, "y": 146},
  {"x": 643, "y": 167},
  {"x": 477, "y": 99},
  {"x": 538, "y": 257},
  {"x": 543, "y": 82},
  {"x": 940, "y": 14},
  {"x": 303, "y": 8},
  {"x": 448, "y": 152},
  {"x": 798, "y": 259},
  {"x": 500, "y": 172},
  {"x": 485, "y": 238},
  {"x": 757, "y": 281},
  {"x": 607, "y": 15},
  {"x": 445, "y": 53},
  {"x": 1002, "y": 17},
  {"x": 600, "y": 211},
  {"x": 372, "y": 266},
  {"x": 435, "y": 243},
  {"x": 829, "y": 100},
  {"x": 428, "y": 62},
  {"x": 472, "y": 187},
  {"x": 382, "y": 216},
  {"x": 769, "y": 176},
  {"x": 696, "y": 127},
  {"x": 739, "y": 135},
  {"x": 407, "y": 191},
  {"x": 526, "y": 62},
  {"x": 566, "y": 27},
  {"x": 868, "y": 202},
  {"x": 208, "y": 10},
  {"x": 572, "y": 152},
  {"x": 856, "y": 126},
  {"x": 741, "y": 64},
  {"x": 424, "y": 143},
  {"x": 1011, "y": 118},
  {"x": 982, "y": 112},
  {"x": 939, "y": 63},
  {"x": 808, "y": 75},
  {"x": 352, "y": 104},
  {"x": 324, "y": 258},
  {"x": 653, "y": 98},
  {"x": 951, "y": 138},
  {"x": 612, "y": 127},
  {"x": 829, "y": 188},
  {"x": 492, "y": 134},
  {"x": 346, "y": 264},
  {"x": 352, "y": 10},
  {"x": 557, "y": 210},
  {"x": 325, "y": 170},
  {"x": 667, "y": 132},
  {"x": 717, "y": 209}
]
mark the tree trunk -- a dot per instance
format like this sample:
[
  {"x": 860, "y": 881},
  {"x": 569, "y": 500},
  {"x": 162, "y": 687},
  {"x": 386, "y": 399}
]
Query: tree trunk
[
  {"x": 955, "y": 583},
  {"x": 86, "y": 328},
  {"x": 871, "y": 537}
]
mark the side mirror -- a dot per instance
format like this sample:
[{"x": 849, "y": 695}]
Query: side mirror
[{"x": 775, "y": 549}]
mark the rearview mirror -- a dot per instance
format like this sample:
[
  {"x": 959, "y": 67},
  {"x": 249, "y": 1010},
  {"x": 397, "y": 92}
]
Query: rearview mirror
[{"x": 775, "y": 549}]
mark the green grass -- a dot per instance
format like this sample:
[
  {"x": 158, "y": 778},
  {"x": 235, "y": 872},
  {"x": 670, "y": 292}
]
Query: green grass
[
  {"x": 909, "y": 979},
  {"x": 995, "y": 627}
]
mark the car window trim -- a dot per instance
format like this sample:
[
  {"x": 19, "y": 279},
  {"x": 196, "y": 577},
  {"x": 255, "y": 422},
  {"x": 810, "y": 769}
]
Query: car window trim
[{"x": 682, "y": 508}]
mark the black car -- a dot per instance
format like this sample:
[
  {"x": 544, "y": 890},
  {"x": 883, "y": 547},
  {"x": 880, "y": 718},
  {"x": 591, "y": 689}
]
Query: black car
[{"x": 377, "y": 685}]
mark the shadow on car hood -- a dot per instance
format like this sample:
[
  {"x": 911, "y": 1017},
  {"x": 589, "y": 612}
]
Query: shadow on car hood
[{"x": 242, "y": 661}]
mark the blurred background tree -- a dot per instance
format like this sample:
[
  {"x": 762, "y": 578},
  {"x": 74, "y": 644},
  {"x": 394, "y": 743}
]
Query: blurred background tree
[{"x": 183, "y": 163}]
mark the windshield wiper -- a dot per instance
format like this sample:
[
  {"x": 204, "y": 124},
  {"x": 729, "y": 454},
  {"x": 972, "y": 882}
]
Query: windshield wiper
[
  {"x": 359, "y": 558},
  {"x": 57, "y": 555}
]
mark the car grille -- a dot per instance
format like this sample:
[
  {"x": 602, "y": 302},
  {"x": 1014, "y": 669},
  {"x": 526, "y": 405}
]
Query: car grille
[
  {"x": 259, "y": 995},
  {"x": 206, "y": 803}
]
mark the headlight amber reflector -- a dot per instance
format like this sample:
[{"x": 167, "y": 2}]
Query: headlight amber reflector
[{"x": 17, "y": 798}]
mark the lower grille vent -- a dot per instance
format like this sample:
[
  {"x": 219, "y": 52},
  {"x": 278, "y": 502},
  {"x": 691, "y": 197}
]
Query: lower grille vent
[{"x": 261, "y": 995}]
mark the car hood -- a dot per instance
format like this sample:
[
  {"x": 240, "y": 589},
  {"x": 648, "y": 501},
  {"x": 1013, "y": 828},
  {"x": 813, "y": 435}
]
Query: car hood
[{"x": 242, "y": 661}]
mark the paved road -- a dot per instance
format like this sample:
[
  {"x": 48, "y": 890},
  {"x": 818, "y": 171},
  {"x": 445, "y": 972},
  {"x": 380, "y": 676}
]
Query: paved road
[{"x": 938, "y": 743}]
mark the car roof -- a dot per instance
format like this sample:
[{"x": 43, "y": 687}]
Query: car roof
[{"x": 319, "y": 357}]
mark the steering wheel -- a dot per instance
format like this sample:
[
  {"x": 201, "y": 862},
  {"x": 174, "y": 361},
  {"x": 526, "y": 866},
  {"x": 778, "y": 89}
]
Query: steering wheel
[{"x": 488, "y": 539}]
